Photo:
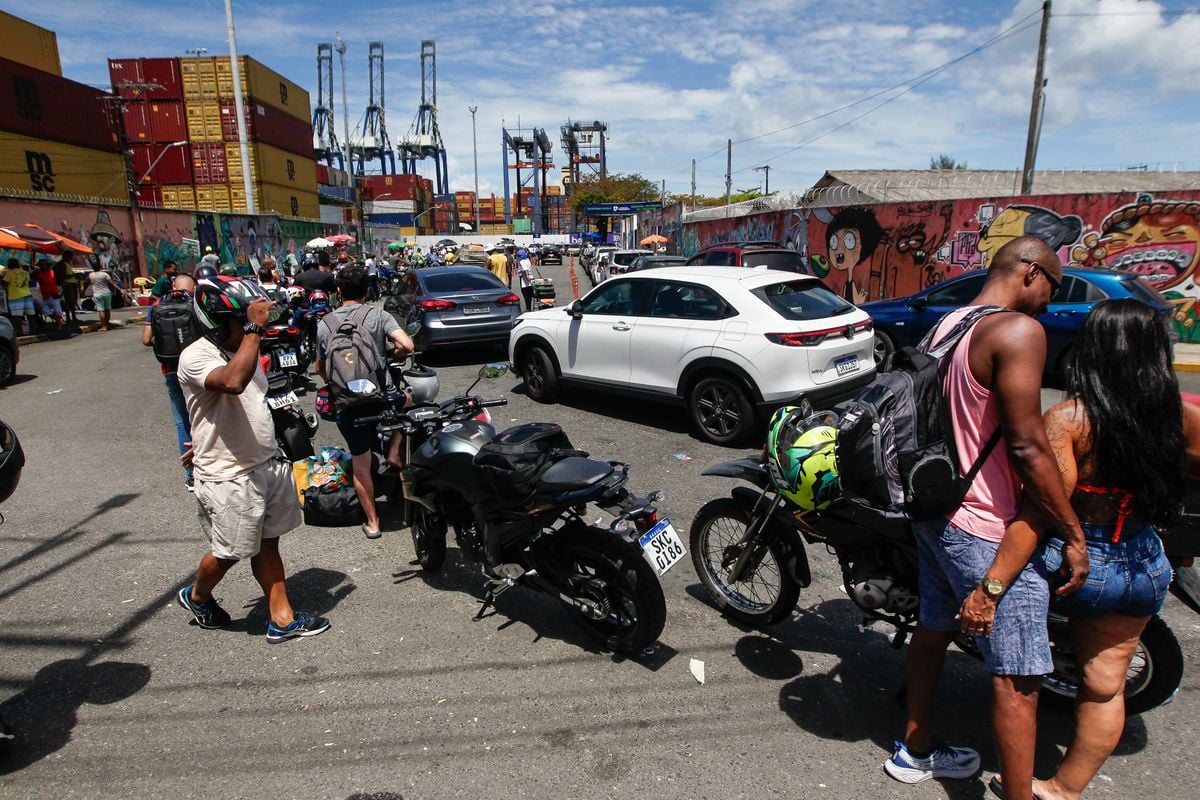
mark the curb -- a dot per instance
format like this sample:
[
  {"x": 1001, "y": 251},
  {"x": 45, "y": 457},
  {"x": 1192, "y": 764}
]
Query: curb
[
  {"x": 1186, "y": 366},
  {"x": 92, "y": 327}
]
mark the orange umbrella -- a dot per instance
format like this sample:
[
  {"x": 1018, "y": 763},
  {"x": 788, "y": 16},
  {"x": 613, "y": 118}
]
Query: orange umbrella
[
  {"x": 654, "y": 239},
  {"x": 9, "y": 241},
  {"x": 64, "y": 242}
]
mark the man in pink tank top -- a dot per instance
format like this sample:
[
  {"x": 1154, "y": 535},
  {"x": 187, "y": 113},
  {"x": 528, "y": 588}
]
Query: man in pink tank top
[{"x": 992, "y": 382}]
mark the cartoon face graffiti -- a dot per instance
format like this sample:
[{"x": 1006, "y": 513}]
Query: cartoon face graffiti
[
  {"x": 845, "y": 248},
  {"x": 1053, "y": 229},
  {"x": 1159, "y": 240}
]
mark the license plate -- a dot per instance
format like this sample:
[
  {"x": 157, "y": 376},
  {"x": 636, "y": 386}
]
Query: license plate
[
  {"x": 846, "y": 364},
  {"x": 277, "y": 401},
  {"x": 288, "y": 359},
  {"x": 476, "y": 309},
  {"x": 662, "y": 547}
]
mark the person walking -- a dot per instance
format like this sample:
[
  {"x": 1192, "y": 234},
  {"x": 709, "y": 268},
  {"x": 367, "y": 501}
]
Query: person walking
[
  {"x": 185, "y": 286},
  {"x": 210, "y": 259},
  {"x": 1122, "y": 491},
  {"x": 498, "y": 264},
  {"x": 51, "y": 295},
  {"x": 166, "y": 280},
  {"x": 525, "y": 278},
  {"x": 382, "y": 330},
  {"x": 244, "y": 486},
  {"x": 992, "y": 384},
  {"x": 20, "y": 296},
  {"x": 102, "y": 292},
  {"x": 68, "y": 281}
]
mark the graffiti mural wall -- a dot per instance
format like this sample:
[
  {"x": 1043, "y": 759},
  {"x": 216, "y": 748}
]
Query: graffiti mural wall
[
  {"x": 886, "y": 250},
  {"x": 106, "y": 229}
]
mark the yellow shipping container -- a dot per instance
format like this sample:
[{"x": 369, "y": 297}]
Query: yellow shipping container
[
  {"x": 179, "y": 196},
  {"x": 203, "y": 120},
  {"x": 29, "y": 44},
  {"x": 214, "y": 197},
  {"x": 272, "y": 165},
  {"x": 233, "y": 162},
  {"x": 264, "y": 85},
  {"x": 199, "y": 78},
  {"x": 39, "y": 168},
  {"x": 287, "y": 201}
]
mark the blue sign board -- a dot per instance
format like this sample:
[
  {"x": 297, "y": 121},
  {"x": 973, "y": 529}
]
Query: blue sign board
[{"x": 620, "y": 209}]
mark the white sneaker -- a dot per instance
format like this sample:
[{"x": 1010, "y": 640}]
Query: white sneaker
[{"x": 944, "y": 762}]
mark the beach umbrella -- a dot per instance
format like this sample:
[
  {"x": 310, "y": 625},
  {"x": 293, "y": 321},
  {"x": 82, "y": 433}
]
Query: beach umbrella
[
  {"x": 64, "y": 243},
  {"x": 318, "y": 243},
  {"x": 654, "y": 239},
  {"x": 340, "y": 238}
]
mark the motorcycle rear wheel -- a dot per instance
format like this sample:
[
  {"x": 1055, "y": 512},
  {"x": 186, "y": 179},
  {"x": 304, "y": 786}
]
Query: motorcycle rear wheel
[
  {"x": 768, "y": 594},
  {"x": 429, "y": 539},
  {"x": 617, "y": 576},
  {"x": 1153, "y": 677}
]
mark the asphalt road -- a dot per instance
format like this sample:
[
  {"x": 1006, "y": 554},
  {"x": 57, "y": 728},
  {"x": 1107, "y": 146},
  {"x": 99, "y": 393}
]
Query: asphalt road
[{"x": 114, "y": 694}]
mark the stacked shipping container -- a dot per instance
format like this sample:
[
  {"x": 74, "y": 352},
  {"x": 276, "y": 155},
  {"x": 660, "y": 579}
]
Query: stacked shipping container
[{"x": 29, "y": 44}]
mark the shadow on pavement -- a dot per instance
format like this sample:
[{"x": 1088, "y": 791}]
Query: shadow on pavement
[
  {"x": 18, "y": 379},
  {"x": 662, "y": 416},
  {"x": 315, "y": 590},
  {"x": 462, "y": 355},
  {"x": 42, "y": 716}
]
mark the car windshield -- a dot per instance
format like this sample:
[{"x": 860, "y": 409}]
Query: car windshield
[
  {"x": 773, "y": 259},
  {"x": 461, "y": 282},
  {"x": 802, "y": 300}
]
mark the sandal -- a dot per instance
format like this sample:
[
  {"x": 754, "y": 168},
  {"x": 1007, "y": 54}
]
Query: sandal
[
  {"x": 998, "y": 788},
  {"x": 371, "y": 534}
]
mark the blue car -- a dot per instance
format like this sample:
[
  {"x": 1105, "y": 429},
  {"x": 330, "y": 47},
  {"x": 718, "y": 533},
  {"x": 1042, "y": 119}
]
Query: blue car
[{"x": 905, "y": 320}]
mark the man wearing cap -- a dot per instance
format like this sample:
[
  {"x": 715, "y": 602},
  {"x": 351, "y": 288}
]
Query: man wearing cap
[
  {"x": 210, "y": 258},
  {"x": 498, "y": 263}
]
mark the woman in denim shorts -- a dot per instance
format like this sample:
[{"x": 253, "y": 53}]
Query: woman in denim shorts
[{"x": 1122, "y": 444}]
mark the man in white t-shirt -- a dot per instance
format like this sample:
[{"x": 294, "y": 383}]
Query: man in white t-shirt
[{"x": 245, "y": 489}]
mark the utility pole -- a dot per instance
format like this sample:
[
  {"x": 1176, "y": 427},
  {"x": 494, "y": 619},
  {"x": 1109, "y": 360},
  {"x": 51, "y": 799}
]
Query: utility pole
[
  {"x": 693, "y": 184},
  {"x": 765, "y": 169},
  {"x": 728, "y": 171},
  {"x": 341, "y": 51},
  {"x": 1037, "y": 106},
  {"x": 663, "y": 194},
  {"x": 239, "y": 107},
  {"x": 475, "y": 155}
]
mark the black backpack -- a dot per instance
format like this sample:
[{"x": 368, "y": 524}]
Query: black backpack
[
  {"x": 356, "y": 369},
  {"x": 895, "y": 445},
  {"x": 513, "y": 461},
  {"x": 173, "y": 325}
]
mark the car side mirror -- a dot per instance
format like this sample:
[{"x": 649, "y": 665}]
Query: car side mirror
[{"x": 575, "y": 309}]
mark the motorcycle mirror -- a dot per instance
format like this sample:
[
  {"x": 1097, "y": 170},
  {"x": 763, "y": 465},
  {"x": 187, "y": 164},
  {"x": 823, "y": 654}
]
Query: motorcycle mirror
[
  {"x": 413, "y": 328},
  {"x": 490, "y": 372}
]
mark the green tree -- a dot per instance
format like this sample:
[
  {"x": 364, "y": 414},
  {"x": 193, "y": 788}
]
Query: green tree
[
  {"x": 612, "y": 188},
  {"x": 946, "y": 161}
]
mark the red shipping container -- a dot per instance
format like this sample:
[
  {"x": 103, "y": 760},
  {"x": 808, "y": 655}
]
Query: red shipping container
[
  {"x": 168, "y": 121},
  {"x": 149, "y": 196},
  {"x": 208, "y": 163},
  {"x": 268, "y": 125},
  {"x": 46, "y": 106},
  {"x": 175, "y": 166},
  {"x": 323, "y": 174},
  {"x": 137, "y": 123},
  {"x": 162, "y": 71}
]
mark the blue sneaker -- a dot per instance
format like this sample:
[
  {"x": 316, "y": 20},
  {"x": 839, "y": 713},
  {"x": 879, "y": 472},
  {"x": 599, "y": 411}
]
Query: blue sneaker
[
  {"x": 208, "y": 614},
  {"x": 304, "y": 624},
  {"x": 944, "y": 762}
]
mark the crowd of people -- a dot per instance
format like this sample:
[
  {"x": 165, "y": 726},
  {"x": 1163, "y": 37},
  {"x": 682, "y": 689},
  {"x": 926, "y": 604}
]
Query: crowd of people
[{"x": 48, "y": 295}]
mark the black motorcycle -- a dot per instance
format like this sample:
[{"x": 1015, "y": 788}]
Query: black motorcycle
[
  {"x": 749, "y": 552},
  {"x": 284, "y": 345},
  {"x": 539, "y": 538},
  {"x": 294, "y": 429}
]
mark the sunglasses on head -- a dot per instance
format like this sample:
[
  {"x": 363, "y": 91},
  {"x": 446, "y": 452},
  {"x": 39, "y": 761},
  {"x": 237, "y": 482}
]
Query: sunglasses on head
[{"x": 1055, "y": 283}]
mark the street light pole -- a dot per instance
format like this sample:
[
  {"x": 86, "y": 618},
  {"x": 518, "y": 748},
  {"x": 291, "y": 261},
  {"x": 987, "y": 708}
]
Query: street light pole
[
  {"x": 154, "y": 163},
  {"x": 475, "y": 153},
  {"x": 239, "y": 108}
]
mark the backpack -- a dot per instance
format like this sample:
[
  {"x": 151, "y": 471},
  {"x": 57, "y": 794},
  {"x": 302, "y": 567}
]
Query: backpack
[
  {"x": 513, "y": 461},
  {"x": 355, "y": 368},
  {"x": 895, "y": 445},
  {"x": 173, "y": 325}
]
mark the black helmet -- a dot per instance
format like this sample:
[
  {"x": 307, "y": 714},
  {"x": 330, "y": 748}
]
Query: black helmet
[
  {"x": 12, "y": 459},
  {"x": 205, "y": 271},
  {"x": 229, "y": 269},
  {"x": 220, "y": 297}
]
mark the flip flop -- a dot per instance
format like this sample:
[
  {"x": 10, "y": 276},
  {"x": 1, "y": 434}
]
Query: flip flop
[
  {"x": 998, "y": 788},
  {"x": 371, "y": 534}
]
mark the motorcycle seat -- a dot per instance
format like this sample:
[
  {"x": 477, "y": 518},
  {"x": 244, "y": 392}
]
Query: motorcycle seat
[{"x": 573, "y": 473}]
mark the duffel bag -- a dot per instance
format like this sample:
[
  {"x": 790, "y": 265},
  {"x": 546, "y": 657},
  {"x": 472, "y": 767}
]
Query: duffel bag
[
  {"x": 515, "y": 459},
  {"x": 332, "y": 508}
]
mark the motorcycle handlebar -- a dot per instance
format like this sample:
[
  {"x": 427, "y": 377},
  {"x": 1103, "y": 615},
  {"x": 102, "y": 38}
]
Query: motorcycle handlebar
[{"x": 493, "y": 403}]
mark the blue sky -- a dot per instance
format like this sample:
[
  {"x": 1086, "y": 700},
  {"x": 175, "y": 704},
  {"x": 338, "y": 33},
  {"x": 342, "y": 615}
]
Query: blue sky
[{"x": 674, "y": 80}]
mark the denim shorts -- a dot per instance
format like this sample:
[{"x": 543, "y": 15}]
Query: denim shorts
[
  {"x": 952, "y": 564},
  {"x": 1129, "y": 577}
]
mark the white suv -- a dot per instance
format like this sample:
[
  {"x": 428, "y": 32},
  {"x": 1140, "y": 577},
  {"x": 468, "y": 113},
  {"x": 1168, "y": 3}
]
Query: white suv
[{"x": 726, "y": 342}]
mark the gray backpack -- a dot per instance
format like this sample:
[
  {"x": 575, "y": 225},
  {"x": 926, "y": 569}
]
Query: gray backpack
[{"x": 355, "y": 368}]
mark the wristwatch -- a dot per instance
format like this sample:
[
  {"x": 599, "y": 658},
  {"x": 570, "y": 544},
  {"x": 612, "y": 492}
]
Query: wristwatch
[
  {"x": 992, "y": 587},
  {"x": 253, "y": 327}
]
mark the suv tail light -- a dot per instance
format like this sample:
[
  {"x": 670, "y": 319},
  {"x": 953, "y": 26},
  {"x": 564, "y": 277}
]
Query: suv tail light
[
  {"x": 436, "y": 305},
  {"x": 811, "y": 338},
  {"x": 509, "y": 299}
]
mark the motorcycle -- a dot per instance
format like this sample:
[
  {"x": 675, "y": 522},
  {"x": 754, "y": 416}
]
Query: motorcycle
[
  {"x": 283, "y": 344},
  {"x": 607, "y": 578},
  {"x": 749, "y": 552},
  {"x": 294, "y": 429}
]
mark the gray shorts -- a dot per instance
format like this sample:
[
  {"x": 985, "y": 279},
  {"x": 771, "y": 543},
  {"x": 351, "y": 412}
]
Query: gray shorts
[
  {"x": 952, "y": 565},
  {"x": 237, "y": 515}
]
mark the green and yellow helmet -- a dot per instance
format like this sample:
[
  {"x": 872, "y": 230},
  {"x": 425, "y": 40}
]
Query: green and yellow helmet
[{"x": 801, "y": 458}]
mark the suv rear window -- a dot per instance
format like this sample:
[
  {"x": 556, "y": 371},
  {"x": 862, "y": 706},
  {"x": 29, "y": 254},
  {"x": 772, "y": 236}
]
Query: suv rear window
[
  {"x": 802, "y": 300},
  {"x": 773, "y": 259},
  {"x": 462, "y": 282}
]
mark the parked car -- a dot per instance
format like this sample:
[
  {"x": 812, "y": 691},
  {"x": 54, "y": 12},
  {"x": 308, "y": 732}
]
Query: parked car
[
  {"x": 598, "y": 264},
  {"x": 761, "y": 255},
  {"x": 10, "y": 352},
  {"x": 551, "y": 254},
  {"x": 620, "y": 260},
  {"x": 731, "y": 345},
  {"x": 904, "y": 321},
  {"x": 459, "y": 304},
  {"x": 655, "y": 262},
  {"x": 471, "y": 254},
  {"x": 574, "y": 248}
]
